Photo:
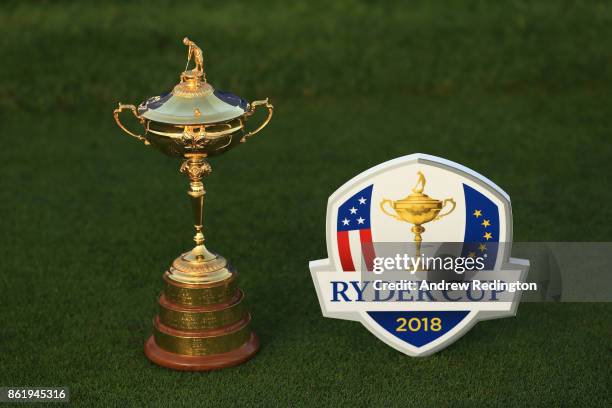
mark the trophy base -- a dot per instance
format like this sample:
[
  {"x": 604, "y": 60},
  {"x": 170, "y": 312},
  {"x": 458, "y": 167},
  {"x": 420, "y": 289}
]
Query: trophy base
[
  {"x": 182, "y": 362},
  {"x": 202, "y": 323}
]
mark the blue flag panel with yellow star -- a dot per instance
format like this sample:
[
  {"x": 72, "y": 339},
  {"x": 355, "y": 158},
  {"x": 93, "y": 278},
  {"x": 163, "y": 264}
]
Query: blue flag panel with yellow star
[{"x": 481, "y": 227}]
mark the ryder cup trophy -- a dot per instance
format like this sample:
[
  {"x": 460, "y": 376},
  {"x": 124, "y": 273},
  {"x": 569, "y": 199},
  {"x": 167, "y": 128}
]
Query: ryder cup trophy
[
  {"x": 418, "y": 208},
  {"x": 202, "y": 323}
]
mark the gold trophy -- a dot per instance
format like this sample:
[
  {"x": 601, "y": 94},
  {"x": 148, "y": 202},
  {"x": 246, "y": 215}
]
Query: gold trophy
[
  {"x": 418, "y": 208},
  {"x": 202, "y": 323}
]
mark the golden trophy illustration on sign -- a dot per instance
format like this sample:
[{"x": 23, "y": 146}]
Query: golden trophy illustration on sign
[
  {"x": 202, "y": 323},
  {"x": 418, "y": 208}
]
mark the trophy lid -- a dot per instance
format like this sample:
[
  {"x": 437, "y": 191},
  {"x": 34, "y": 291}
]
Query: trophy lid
[
  {"x": 417, "y": 196},
  {"x": 193, "y": 101}
]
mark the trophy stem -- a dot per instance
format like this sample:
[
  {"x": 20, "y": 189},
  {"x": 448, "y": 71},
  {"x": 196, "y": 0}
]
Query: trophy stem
[
  {"x": 418, "y": 230},
  {"x": 196, "y": 167}
]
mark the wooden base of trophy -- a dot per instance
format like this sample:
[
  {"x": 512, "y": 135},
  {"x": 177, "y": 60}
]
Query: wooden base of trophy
[
  {"x": 201, "y": 363},
  {"x": 202, "y": 323}
]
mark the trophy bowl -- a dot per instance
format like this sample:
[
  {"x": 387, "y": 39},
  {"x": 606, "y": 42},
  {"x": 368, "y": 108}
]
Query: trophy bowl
[
  {"x": 417, "y": 209},
  {"x": 215, "y": 138},
  {"x": 194, "y": 118}
]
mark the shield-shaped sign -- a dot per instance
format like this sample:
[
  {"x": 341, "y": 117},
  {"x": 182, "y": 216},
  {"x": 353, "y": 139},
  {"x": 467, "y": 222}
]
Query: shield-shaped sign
[{"x": 418, "y": 252}]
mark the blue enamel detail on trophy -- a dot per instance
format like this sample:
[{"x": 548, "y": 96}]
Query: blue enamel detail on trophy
[
  {"x": 157, "y": 101},
  {"x": 231, "y": 99}
]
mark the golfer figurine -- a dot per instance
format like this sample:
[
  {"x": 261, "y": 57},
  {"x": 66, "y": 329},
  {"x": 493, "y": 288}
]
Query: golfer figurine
[{"x": 195, "y": 52}]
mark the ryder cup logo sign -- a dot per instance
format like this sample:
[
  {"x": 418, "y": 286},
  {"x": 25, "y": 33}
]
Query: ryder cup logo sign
[{"x": 419, "y": 252}]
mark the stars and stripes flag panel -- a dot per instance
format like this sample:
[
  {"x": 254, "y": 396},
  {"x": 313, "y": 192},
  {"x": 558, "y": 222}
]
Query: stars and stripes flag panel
[{"x": 354, "y": 234}]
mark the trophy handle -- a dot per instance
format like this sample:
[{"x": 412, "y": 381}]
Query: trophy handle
[
  {"x": 448, "y": 200},
  {"x": 116, "y": 113},
  {"x": 382, "y": 207},
  {"x": 253, "y": 106}
]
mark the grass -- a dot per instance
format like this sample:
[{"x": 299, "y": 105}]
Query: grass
[{"x": 517, "y": 91}]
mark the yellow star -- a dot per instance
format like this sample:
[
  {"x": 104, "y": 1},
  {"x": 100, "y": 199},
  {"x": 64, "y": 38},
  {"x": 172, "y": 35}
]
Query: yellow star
[
  {"x": 486, "y": 223},
  {"x": 482, "y": 247},
  {"x": 487, "y": 236},
  {"x": 477, "y": 213},
  {"x": 472, "y": 255}
]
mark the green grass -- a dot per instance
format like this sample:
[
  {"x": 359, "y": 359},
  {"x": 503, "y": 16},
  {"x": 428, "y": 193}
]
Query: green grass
[{"x": 517, "y": 91}]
